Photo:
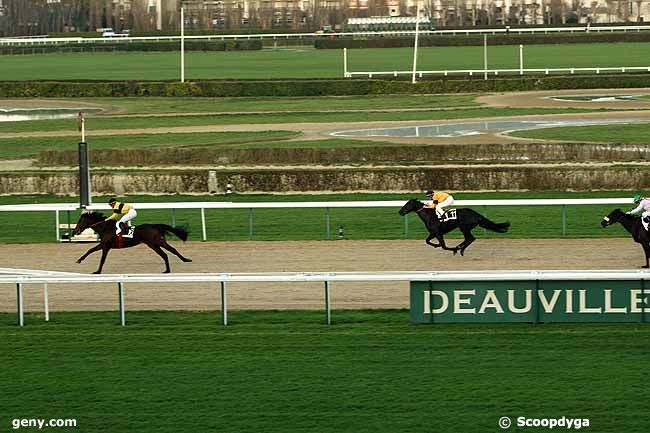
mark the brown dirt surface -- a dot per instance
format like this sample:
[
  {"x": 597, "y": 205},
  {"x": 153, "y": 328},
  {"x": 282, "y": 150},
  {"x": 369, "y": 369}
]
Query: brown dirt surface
[
  {"x": 543, "y": 99},
  {"x": 296, "y": 256}
]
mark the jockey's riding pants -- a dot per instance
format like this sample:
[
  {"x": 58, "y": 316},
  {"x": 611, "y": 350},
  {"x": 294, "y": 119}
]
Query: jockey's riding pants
[
  {"x": 125, "y": 218},
  {"x": 440, "y": 207}
]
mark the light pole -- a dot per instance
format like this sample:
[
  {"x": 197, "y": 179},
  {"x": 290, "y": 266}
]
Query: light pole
[{"x": 182, "y": 43}]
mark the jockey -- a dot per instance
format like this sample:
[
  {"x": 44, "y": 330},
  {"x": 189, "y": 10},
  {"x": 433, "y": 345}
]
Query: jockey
[
  {"x": 122, "y": 213},
  {"x": 440, "y": 201},
  {"x": 643, "y": 204}
]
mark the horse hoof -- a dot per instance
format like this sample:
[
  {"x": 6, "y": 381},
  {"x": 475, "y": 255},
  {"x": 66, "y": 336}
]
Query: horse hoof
[
  {"x": 97, "y": 272},
  {"x": 166, "y": 272},
  {"x": 462, "y": 252},
  {"x": 187, "y": 260},
  {"x": 645, "y": 267},
  {"x": 79, "y": 261}
]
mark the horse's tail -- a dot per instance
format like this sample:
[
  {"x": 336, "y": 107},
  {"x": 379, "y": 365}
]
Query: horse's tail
[
  {"x": 495, "y": 227},
  {"x": 178, "y": 231}
]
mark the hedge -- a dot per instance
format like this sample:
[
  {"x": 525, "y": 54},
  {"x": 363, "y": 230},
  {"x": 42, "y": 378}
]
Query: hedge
[
  {"x": 191, "y": 45},
  {"x": 472, "y": 40},
  {"x": 332, "y": 87}
]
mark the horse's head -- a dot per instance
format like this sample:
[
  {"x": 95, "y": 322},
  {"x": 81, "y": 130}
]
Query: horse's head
[
  {"x": 411, "y": 206},
  {"x": 613, "y": 217},
  {"x": 87, "y": 219}
]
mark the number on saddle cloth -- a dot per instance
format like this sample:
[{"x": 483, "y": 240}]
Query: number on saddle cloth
[{"x": 448, "y": 215}]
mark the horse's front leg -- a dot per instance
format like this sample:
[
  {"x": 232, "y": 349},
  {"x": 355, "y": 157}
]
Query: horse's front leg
[
  {"x": 646, "y": 250},
  {"x": 102, "y": 260},
  {"x": 428, "y": 241},
  {"x": 89, "y": 252}
]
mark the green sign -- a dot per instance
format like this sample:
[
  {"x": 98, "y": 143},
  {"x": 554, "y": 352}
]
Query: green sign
[{"x": 529, "y": 301}]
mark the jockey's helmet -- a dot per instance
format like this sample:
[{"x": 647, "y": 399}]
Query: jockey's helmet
[
  {"x": 428, "y": 193},
  {"x": 637, "y": 198},
  {"x": 112, "y": 200}
]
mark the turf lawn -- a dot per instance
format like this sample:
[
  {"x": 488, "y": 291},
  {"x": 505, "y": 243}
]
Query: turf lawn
[
  {"x": 310, "y": 63},
  {"x": 371, "y": 371},
  {"x": 129, "y": 122},
  {"x": 632, "y": 133},
  {"x": 310, "y": 224}
]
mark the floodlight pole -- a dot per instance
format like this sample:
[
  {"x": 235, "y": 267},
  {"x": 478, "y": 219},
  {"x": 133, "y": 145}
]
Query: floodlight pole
[
  {"x": 415, "y": 48},
  {"x": 84, "y": 166},
  {"x": 182, "y": 44},
  {"x": 485, "y": 74}
]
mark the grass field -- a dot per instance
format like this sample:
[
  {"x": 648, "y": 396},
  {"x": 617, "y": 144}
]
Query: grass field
[
  {"x": 130, "y": 122},
  {"x": 632, "y": 133},
  {"x": 311, "y": 63},
  {"x": 371, "y": 371},
  {"x": 310, "y": 224}
]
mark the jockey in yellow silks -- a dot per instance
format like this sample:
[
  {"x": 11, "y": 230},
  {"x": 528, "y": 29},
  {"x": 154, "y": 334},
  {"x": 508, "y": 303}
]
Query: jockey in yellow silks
[
  {"x": 122, "y": 214},
  {"x": 439, "y": 201}
]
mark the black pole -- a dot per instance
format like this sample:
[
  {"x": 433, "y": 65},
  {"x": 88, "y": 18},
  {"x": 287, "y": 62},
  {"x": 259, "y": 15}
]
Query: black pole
[{"x": 84, "y": 175}]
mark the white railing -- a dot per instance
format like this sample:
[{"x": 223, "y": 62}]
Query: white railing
[
  {"x": 503, "y": 30},
  {"x": 323, "y": 277},
  {"x": 496, "y": 72},
  {"x": 327, "y": 205}
]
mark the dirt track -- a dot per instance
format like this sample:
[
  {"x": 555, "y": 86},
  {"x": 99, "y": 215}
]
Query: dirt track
[{"x": 307, "y": 256}]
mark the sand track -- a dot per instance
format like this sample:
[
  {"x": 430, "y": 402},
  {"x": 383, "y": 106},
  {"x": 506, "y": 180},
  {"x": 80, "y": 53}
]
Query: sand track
[{"x": 297, "y": 256}]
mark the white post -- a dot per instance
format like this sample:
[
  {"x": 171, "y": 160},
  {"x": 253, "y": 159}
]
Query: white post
[
  {"x": 205, "y": 238},
  {"x": 120, "y": 289},
  {"x": 20, "y": 305},
  {"x": 345, "y": 63},
  {"x": 58, "y": 236},
  {"x": 327, "y": 303},
  {"x": 83, "y": 130},
  {"x": 224, "y": 304},
  {"x": 415, "y": 46},
  {"x": 485, "y": 57},
  {"x": 182, "y": 45},
  {"x": 521, "y": 60},
  {"x": 46, "y": 303}
]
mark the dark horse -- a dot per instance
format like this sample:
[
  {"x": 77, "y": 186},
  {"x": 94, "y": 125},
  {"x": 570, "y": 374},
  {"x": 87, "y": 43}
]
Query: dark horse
[
  {"x": 633, "y": 225},
  {"x": 152, "y": 235},
  {"x": 466, "y": 220}
]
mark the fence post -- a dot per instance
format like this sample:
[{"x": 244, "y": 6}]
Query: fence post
[
  {"x": 328, "y": 314},
  {"x": 46, "y": 303},
  {"x": 120, "y": 293},
  {"x": 56, "y": 223},
  {"x": 205, "y": 238},
  {"x": 327, "y": 223},
  {"x": 406, "y": 227},
  {"x": 20, "y": 316},
  {"x": 173, "y": 217},
  {"x": 69, "y": 228},
  {"x": 563, "y": 220},
  {"x": 485, "y": 232},
  {"x": 224, "y": 304},
  {"x": 250, "y": 223}
]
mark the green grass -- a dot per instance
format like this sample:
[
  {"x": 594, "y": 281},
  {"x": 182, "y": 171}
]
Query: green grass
[
  {"x": 15, "y": 148},
  {"x": 117, "y": 122},
  {"x": 632, "y": 133},
  {"x": 310, "y": 224},
  {"x": 371, "y": 371},
  {"x": 310, "y": 63},
  {"x": 156, "y": 105}
]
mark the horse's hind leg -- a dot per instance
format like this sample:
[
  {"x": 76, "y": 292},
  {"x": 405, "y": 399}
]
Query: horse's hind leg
[
  {"x": 428, "y": 241},
  {"x": 174, "y": 251},
  {"x": 162, "y": 254},
  {"x": 469, "y": 238}
]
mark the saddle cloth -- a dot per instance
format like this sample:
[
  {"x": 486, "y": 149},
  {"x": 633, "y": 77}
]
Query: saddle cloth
[
  {"x": 449, "y": 215},
  {"x": 128, "y": 234}
]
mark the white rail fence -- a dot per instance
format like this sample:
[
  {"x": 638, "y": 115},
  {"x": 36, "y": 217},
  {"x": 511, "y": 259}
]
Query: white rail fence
[
  {"x": 326, "y": 278},
  {"x": 496, "y": 72},
  {"x": 39, "y": 40},
  {"x": 69, "y": 208}
]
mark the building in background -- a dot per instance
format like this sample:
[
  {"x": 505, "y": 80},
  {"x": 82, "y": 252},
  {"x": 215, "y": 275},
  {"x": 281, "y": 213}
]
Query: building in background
[{"x": 31, "y": 17}]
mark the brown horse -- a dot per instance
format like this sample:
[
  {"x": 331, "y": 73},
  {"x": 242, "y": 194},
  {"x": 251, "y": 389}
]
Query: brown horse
[{"x": 152, "y": 235}]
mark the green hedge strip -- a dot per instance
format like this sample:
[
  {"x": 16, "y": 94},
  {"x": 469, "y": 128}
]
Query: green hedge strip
[{"x": 335, "y": 87}]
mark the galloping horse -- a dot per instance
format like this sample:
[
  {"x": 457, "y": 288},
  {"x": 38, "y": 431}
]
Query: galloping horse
[
  {"x": 633, "y": 225},
  {"x": 152, "y": 235},
  {"x": 466, "y": 220}
]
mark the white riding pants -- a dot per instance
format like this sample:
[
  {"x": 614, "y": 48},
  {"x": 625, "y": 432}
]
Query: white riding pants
[
  {"x": 125, "y": 219},
  {"x": 440, "y": 207}
]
